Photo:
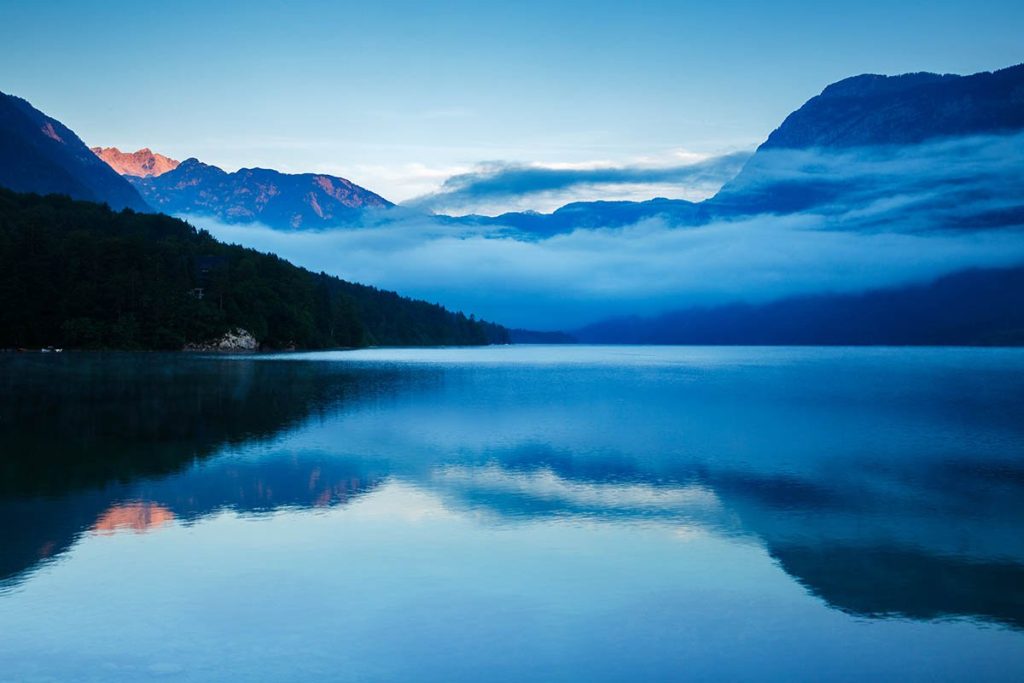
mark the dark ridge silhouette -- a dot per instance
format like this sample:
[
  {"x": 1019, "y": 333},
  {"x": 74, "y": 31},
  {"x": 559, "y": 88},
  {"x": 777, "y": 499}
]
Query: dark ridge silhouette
[{"x": 982, "y": 307}]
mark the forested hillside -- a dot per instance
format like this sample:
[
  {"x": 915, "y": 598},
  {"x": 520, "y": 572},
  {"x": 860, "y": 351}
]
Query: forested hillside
[{"x": 76, "y": 274}]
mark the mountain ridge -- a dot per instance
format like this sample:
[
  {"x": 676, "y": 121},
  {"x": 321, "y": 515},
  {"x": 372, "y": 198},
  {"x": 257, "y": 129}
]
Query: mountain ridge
[
  {"x": 278, "y": 200},
  {"x": 40, "y": 154}
]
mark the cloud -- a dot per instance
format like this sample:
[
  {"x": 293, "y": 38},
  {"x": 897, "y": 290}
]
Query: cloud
[
  {"x": 570, "y": 280},
  {"x": 955, "y": 176},
  {"x": 906, "y": 215},
  {"x": 508, "y": 185}
]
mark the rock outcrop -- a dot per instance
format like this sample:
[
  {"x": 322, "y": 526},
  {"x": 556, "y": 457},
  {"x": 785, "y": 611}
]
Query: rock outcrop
[{"x": 237, "y": 341}]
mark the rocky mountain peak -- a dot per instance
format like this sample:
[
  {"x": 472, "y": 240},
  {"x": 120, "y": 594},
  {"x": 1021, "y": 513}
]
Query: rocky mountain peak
[{"x": 143, "y": 163}]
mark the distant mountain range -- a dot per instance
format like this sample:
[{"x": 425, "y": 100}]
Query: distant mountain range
[
  {"x": 278, "y": 200},
  {"x": 40, "y": 154},
  {"x": 141, "y": 163}
]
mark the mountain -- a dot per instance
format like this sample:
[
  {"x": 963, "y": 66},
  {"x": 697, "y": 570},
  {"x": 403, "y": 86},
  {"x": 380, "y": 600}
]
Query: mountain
[
  {"x": 812, "y": 159},
  {"x": 278, "y": 200},
  {"x": 870, "y": 110},
  {"x": 40, "y": 154},
  {"x": 983, "y": 307},
  {"x": 76, "y": 274},
  {"x": 141, "y": 163},
  {"x": 853, "y": 140}
]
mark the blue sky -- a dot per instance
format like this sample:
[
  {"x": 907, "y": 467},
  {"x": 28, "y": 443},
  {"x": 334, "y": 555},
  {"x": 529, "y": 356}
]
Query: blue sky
[{"x": 400, "y": 96}]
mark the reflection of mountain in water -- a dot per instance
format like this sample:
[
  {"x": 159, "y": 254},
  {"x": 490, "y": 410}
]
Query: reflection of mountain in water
[
  {"x": 916, "y": 542},
  {"x": 138, "y": 516},
  {"x": 907, "y": 582},
  {"x": 41, "y": 528},
  {"x": 900, "y": 533},
  {"x": 937, "y": 542}
]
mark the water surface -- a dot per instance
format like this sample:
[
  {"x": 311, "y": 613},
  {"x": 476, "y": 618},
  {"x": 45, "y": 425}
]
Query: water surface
[{"x": 513, "y": 513}]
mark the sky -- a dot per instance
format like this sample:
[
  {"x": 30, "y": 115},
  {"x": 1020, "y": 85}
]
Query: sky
[{"x": 403, "y": 96}]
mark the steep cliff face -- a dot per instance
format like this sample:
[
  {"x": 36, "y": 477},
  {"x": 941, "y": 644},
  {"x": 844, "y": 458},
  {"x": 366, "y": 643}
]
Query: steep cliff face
[
  {"x": 141, "y": 164},
  {"x": 40, "y": 154}
]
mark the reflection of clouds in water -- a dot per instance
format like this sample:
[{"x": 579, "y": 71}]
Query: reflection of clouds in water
[
  {"x": 505, "y": 495},
  {"x": 545, "y": 484},
  {"x": 399, "y": 499}
]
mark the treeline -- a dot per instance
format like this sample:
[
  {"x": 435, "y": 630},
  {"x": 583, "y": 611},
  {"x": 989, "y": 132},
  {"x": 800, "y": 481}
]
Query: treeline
[{"x": 76, "y": 274}]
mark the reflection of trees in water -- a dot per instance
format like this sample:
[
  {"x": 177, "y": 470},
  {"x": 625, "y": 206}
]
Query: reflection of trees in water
[
  {"x": 84, "y": 420},
  {"x": 89, "y": 439}
]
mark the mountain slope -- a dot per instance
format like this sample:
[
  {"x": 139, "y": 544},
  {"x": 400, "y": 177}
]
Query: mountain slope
[
  {"x": 908, "y": 109},
  {"x": 141, "y": 163},
  {"x": 278, "y": 200},
  {"x": 40, "y": 154},
  {"x": 79, "y": 275}
]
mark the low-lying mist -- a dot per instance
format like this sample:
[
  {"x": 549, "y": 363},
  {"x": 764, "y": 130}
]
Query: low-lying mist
[{"x": 891, "y": 216}]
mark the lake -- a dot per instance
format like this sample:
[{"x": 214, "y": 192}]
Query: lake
[{"x": 513, "y": 513}]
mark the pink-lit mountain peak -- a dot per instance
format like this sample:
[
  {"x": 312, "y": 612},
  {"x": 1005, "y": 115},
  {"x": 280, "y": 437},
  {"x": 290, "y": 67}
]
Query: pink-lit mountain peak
[{"x": 143, "y": 163}]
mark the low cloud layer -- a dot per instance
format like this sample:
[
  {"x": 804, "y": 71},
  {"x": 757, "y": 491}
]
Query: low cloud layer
[
  {"x": 497, "y": 187},
  {"x": 926, "y": 211},
  {"x": 570, "y": 280}
]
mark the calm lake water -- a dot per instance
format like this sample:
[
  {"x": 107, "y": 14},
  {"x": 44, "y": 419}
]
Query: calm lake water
[{"x": 513, "y": 513}]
